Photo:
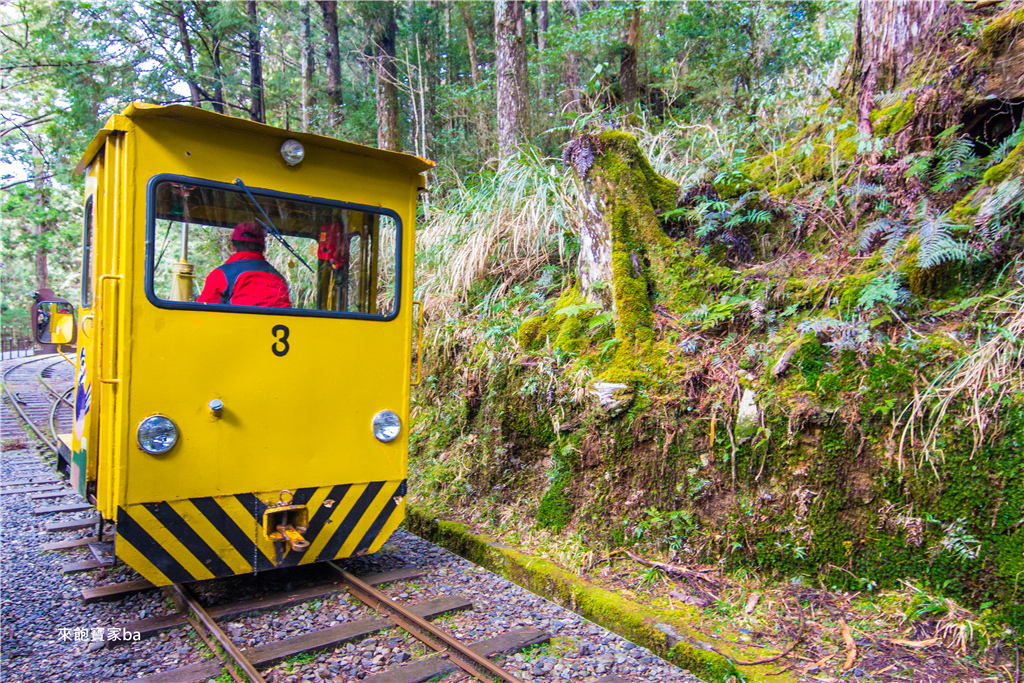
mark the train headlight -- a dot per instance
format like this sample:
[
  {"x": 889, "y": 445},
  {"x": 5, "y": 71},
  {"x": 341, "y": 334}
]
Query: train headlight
[
  {"x": 157, "y": 434},
  {"x": 292, "y": 152},
  {"x": 386, "y": 426}
]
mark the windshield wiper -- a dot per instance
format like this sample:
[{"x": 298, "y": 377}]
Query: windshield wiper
[{"x": 269, "y": 226}]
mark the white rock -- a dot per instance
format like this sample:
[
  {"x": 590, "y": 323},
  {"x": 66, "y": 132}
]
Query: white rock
[
  {"x": 614, "y": 398},
  {"x": 747, "y": 417}
]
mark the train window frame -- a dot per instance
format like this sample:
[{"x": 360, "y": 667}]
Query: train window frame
[
  {"x": 259, "y": 192},
  {"x": 88, "y": 252}
]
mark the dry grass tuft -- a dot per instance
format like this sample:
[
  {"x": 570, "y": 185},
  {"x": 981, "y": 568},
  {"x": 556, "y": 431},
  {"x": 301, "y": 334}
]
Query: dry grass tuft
[
  {"x": 982, "y": 378},
  {"x": 507, "y": 227}
]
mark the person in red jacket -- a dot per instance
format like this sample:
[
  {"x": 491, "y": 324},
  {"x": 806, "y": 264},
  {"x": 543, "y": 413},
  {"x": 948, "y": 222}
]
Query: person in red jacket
[{"x": 246, "y": 279}]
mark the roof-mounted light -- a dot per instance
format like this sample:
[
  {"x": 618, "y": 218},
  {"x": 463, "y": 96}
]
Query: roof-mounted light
[{"x": 292, "y": 152}]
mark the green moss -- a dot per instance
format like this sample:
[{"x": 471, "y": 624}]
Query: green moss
[
  {"x": 761, "y": 170},
  {"x": 810, "y": 360},
  {"x": 964, "y": 210},
  {"x": 564, "y": 325},
  {"x": 674, "y": 635},
  {"x": 1012, "y": 165},
  {"x": 556, "y": 507},
  {"x": 937, "y": 281},
  {"x": 850, "y": 289},
  {"x": 789, "y": 189},
  {"x": 1001, "y": 30},
  {"x": 529, "y": 332},
  {"x": 892, "y": 119}
]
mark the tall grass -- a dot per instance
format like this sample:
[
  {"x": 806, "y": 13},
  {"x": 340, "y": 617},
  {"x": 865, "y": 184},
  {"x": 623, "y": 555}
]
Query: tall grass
[
  {"x": 505, "y": 228},
  {"x": 981, "y": 380}
]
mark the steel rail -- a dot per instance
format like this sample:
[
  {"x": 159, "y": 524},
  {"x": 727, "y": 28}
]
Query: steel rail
[
  {"x": 185, "y": 595},
  {"x": 475, "y": 665},
  {"x": 49, "y": 387},
  {"x": 53, "y": 415},
  {"x": 15, "y": 401}
]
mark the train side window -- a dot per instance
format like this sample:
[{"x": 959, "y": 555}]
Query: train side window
[
  {"x": 338, "y": 259},
  {"x": 87, "y": 254}
]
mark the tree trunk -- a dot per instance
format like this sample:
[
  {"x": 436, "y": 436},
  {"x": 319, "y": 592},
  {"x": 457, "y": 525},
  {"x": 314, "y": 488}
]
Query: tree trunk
[
  {"x": 626, "y": 260},
  {"x": 186, "y": 47},
  {"x": 627, "y": 60},
  {"x": 467, "y": 19},
  {"x": 542, "y": 45},
  {"x": 43, "y": 226},
  {"x": 384, "y": 23},
  {"x": 513, "y": 85},
  {"x": 308, "y": 69},
  {"x": 571, "y": 93},
  {"x": 213, "y": 47},
  {"x": 888, "y": 34},
  {"x": 333, "y": 58},
  {"x": 257, "y": 106},
  {"x": 218, "y": 76}
]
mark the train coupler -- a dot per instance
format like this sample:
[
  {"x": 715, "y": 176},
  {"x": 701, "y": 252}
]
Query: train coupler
[
  {"x": 285, "y": 523},
  {"x": 295, "y": 539}
]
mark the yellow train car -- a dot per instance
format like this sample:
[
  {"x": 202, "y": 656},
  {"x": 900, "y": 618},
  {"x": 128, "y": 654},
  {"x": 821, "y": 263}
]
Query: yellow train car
[{"x": 244, "y": 342}]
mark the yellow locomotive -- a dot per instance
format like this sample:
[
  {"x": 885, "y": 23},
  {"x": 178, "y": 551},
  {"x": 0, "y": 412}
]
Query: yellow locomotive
[{"x": 224, "y": 426}]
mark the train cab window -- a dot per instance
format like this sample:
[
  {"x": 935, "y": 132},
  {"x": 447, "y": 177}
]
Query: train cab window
[
  {"x": 337, "y": 259},
  {"x": 87, "y": 255}
]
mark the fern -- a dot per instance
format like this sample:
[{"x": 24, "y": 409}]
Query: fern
[
  {"x": 1007, "y": 200},
  {"x": 845, "y": 336},
  {"x": 884, "y": 100},
  {"x": 881, "y": 227},
  {"x": 952, "y": 163},
  {"x": 859, "y": 189},
  {"x": 959, "y": 541},
  {"x": 955, "y": 160},
  {"x": 1000, "y": 153},
  {"x": 935, "y": 241},
  {"x": 920, "y": 165},
  {"x": 709, "y": 317},
  {"x": 936, "y": 244},
  {"x": 885, "y": 289}
]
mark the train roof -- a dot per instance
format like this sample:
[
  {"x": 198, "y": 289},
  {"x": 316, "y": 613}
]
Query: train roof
[{"x": 140, "y": 110}]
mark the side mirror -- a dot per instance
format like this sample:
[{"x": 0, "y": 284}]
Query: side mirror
[{"x": 54, "y": 323}]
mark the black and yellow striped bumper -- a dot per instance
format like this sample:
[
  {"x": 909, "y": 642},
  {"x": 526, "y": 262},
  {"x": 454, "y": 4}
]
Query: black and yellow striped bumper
[{"x": 204, "y": 538}]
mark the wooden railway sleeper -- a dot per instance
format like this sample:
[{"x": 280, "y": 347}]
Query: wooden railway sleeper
[
  {"x": 475, "y": 665},
  {"x": 229, "y": 648}
]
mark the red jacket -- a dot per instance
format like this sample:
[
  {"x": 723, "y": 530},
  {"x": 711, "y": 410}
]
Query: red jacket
[{"x": 246, "y": 279}]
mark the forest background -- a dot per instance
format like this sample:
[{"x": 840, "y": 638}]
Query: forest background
[
  {"x": 420, "y": 77},
  {"x": 736, "y": 283}
]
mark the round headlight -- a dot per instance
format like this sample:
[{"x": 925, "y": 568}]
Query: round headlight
[
  {"x": 157, "y": 434},
  {"x": 386, "y": 426},
  {"x": 292, "y": 151}
]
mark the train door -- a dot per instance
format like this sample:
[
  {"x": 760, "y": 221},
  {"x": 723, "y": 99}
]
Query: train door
[{"x": 99, "y": 396}]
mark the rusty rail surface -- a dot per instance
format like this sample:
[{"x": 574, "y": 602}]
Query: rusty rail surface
[{"x": 475, "y": 665}]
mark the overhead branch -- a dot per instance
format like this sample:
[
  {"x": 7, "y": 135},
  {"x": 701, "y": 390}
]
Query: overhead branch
[
  {"x": 27, "y": 123},
  {"x": 28, "y": 180}
]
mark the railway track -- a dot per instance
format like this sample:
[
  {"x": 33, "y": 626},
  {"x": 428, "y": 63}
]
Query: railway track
[
  {"x": 415, "y": 613},
  {"x": 246, "y": 663},
  {"x": 47, "y": 412}
]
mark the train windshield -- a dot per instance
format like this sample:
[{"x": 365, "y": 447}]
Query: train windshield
[{"x": 231, "y": 247}]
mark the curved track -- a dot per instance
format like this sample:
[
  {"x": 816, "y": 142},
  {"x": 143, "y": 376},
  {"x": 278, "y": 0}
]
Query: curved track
[{"x": 48, "y": 412}]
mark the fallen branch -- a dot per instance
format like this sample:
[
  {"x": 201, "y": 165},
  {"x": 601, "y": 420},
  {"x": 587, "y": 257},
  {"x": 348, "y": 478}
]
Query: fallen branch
[
  {"x": 851, "y": 647},
  {"x": 917, "y": 644},
  {"x": 668, "y": 568}
]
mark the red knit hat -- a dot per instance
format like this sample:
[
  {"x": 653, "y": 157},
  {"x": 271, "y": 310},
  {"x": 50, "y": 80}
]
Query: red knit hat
[{"x": 248, "y": 232}]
